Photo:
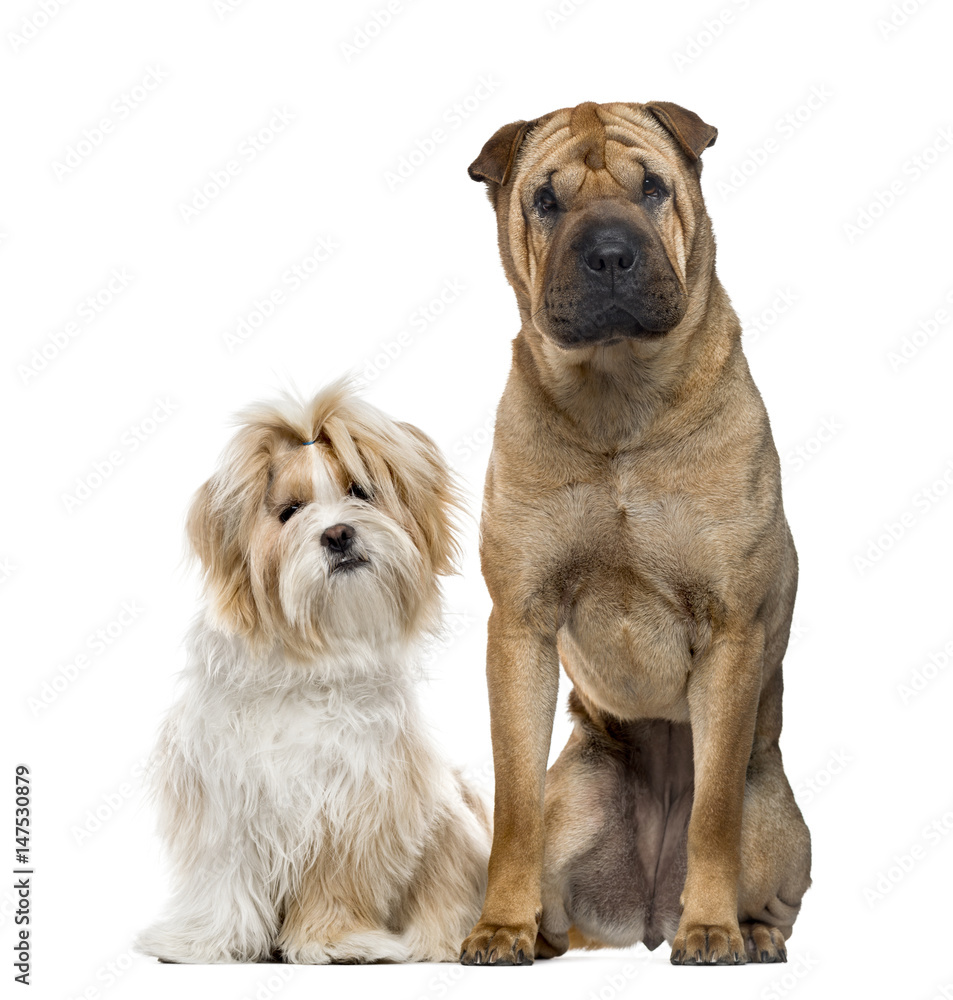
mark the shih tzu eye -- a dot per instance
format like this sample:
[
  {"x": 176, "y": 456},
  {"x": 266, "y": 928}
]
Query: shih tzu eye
[
  {"x": 358, "y": 492},
  {"x": 287, "y": 512}
]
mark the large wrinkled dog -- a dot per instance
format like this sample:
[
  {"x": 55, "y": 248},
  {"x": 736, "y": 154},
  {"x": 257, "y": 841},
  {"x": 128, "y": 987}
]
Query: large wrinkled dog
[{"x": 632, "y": 528}]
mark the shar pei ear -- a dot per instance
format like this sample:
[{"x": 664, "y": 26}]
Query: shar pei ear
[
  {"x": 691, "y": 133},
  {"x": 495, "y": 162}
]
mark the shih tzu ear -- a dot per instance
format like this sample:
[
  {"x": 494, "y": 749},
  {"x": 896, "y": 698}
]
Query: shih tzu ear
[
  {"x": 427, "y": 488},
  {"x": 219, "y": 527},
  {"x": 407, "y": 468}
]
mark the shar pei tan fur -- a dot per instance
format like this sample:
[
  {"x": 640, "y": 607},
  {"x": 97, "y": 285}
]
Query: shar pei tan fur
[{"x": 632, "y": 529}]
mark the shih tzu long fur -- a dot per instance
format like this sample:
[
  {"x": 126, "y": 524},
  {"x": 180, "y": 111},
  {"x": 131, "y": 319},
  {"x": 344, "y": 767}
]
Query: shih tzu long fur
[{"x": 306, "y": 810}]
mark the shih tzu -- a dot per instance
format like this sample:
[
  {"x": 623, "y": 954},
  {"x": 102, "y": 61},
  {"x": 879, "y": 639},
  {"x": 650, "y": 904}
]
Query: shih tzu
[{"x": 307, "y": 813}]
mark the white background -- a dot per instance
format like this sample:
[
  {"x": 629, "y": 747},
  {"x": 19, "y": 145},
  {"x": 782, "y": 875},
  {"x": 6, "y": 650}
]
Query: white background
[{"x": 863, "y": 436}]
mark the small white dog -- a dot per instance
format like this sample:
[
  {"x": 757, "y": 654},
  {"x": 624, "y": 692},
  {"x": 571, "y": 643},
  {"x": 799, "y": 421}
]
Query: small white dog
[{"x": 307, "y": 813}]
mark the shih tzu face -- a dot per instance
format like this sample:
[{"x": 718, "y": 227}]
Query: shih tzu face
[{"x": 326, "y": 523}]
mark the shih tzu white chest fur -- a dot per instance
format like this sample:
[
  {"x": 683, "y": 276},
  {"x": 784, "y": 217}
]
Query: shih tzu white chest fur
[{"x": 306, "y": 811}]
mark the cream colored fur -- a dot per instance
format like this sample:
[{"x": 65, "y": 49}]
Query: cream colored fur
[{"x": 303, "y": 804}]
